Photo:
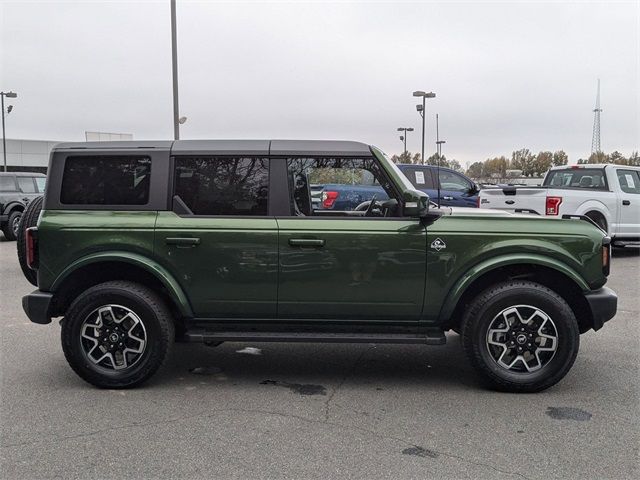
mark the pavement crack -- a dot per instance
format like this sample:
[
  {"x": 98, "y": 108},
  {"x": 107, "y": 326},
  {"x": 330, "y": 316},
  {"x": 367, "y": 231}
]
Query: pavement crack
[{"x": 351, "y": 371}]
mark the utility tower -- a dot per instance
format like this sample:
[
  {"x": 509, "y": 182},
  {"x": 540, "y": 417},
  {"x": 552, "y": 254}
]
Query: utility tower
[{"x": 595, "y": 139}]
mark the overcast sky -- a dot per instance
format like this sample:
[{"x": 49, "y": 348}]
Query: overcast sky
[{"x": 506, "y": 75}]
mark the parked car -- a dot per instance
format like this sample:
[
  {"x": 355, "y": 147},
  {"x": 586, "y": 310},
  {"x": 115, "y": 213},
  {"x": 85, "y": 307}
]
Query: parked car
[
  {"x": 17, "y": 189},
  {"x": 607, "y": 194},
  {"x": 231, "y": 249},
  {"x": 456, "y": 190}
]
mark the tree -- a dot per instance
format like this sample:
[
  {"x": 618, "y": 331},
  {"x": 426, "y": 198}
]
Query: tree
[
  {"x": 496, "y": 167},
  {"x": 455, "y": 165},
  {"x": 476, "y": 170},
  {"x": 523, "y": 160},
  {"x": 404, "y": 157},
  {"x": 598, "y": 157},
  {"x": 560, "y": 158},
  {"x": 617, "y": 158},
  {"x": 634, "y": 159},
  {"x": 542, "y": 163}
]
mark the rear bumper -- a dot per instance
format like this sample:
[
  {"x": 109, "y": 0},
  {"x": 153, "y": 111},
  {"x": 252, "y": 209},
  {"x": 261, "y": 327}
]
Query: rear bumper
[
  {"x": 36, "y": 306},
  {"x": 603, "y": 304}
]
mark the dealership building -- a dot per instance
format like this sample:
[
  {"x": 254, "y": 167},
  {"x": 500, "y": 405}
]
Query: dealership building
[{"x": 33, "y": 155}]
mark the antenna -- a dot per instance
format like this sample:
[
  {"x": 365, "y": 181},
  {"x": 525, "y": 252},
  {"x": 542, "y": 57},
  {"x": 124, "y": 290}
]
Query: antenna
[{"x": 595, "y": 139}]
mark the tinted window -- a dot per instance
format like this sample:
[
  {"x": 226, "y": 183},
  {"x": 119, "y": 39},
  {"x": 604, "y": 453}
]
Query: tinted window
[
  {"x": 7, "y": 184},
  {"x": 629, "y": 181},
  {"x": 106, "y": 180},
  {"x": 26, "y": 184},
  {"x": 223, "y": 186},
  {"x": 590, "y": 178},
  {"x": 453, "y": 182},
  {"x": 419, "y": 177},
  {"x": 41, "y": 182}
]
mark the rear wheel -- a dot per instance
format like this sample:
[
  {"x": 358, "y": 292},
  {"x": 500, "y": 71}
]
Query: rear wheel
[
  {"x": 117, "y": 334},
  {"x": 520, "y": 336},
  {"x": 10, "y": 230},
  {"x": 29, "y": 219},
  {"x": 599, "y": 220}
]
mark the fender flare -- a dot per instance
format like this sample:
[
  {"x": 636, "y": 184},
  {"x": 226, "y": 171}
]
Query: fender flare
[
  {"x": 9, "y": 208},
  {"x": 176, "y": 292},
  {"x": 479, "y": 269}
]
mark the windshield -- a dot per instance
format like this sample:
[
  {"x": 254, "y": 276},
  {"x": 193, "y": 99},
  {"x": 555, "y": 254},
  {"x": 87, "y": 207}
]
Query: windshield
[{"x": 389, "y": 165}]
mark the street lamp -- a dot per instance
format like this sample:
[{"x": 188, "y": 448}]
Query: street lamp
[
  {"x": 439, "y": 153},
  {"x": 421, "y": 111},
  {"x": 404, "y": 137},
  {"x": 4, "y": 143}
]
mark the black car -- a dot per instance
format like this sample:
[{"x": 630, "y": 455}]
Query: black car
[{"x": 17, "y": 189}]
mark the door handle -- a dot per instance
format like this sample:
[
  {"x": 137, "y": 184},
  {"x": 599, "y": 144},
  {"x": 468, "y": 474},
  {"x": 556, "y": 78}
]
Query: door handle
[
  {"x": 447, "y": 197},
  {"x": 183, "y": 241},
  {"x": 306, "y": 242},
  {"x": 626, "y": 202}
]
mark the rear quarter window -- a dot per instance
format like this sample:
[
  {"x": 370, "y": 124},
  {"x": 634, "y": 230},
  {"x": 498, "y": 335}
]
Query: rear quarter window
[
  {"x": 7, "y": 184},
  {"x": 106, "y": 180},
  {"x": 584, "y": 178}
]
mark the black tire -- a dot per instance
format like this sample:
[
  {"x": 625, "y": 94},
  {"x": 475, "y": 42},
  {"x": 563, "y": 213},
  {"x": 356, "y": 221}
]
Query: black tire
[
  {"x": 152, "y": 313},
  {"x": 489, "y": 305},
  {"x": 29, "y": 219},
  {"x": 10, "y": 230}
]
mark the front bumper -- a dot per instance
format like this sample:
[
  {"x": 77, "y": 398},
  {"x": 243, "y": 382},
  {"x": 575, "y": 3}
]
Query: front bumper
[
  {"x": 603, "y": 304},
  {"x": 36, "y": 306}
]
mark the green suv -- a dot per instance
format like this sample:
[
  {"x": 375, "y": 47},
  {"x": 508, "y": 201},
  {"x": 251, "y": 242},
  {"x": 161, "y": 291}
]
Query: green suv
[{"x": 140, "y": 244}]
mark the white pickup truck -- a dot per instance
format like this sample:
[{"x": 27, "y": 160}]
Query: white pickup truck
[{"x": 607, "y": 194}]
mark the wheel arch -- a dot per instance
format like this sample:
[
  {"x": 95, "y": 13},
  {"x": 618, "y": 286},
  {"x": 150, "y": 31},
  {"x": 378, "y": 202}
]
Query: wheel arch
[
  {"x": 14, "y": 207},
  {"x": 106, "y": 266},
  {"x": 556, "y": 276}
]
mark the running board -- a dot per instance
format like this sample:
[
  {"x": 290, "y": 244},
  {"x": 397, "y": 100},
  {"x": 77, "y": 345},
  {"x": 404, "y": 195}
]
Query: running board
[{"x": 431, "y": 337}]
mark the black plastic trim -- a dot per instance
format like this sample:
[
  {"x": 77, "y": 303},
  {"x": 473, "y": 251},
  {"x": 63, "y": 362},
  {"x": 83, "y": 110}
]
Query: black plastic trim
[
  {"x": 36, "y": 306},
  {"x": 603, "y": 304}
]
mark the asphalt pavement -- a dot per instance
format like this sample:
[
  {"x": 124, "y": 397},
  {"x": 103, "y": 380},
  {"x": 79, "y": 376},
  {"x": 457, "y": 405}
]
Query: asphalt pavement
[{"x": 317, "y": 411}]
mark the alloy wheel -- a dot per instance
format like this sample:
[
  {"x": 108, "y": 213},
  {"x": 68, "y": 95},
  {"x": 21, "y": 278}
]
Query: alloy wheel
[
  {"x": 113, "y": 337},
  {"x": 522, "y": 339}
]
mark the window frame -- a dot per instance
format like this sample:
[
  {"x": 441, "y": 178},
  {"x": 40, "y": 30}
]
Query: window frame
[
  {"x": 284, "y": 193},
  {"x": 179, "y": 209},
  {"x": 604, "y": 188}
]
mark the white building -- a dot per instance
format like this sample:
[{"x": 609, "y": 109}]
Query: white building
[{"x": 28, "y": 155}]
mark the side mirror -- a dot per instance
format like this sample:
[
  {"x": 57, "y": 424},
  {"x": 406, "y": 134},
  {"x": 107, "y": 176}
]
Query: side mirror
[{"x": 415, "y": 203}]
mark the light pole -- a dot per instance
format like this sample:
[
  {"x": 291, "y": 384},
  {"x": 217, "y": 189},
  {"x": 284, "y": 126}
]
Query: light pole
[
  {"x": 439, "y": 152},
  {"x": 4, "y": 142},
  {"x": 404, "y": 137},
  {"x": 174, "y": 69},
  {"x": 421, "y": 110}
]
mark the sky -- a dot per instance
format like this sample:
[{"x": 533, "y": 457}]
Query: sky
[{"x": 507, "y": 75}]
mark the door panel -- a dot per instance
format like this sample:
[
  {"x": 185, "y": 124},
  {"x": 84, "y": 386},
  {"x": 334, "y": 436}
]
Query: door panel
[
  {"x": 342, "y": 268},
  {"x": 628, "y": 203},
  {"x": 227, "y": 266}
]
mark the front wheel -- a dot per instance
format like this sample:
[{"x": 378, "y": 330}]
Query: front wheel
[
  {"x": 520, "y": 336},
  {"x": 117, "y": 334},
  {"x": 13, "y": 224}
]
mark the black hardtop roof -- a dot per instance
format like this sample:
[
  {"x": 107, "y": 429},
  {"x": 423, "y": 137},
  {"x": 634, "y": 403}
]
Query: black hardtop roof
[
  {"x": 22, "y": 174},
  {"x": 232, "y": 147}
]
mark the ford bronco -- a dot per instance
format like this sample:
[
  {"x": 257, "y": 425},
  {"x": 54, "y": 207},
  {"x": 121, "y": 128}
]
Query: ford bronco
[{"x": 140, "y": 244}]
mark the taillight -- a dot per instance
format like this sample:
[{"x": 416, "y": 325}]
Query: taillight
[
  {"x": 478, "y": 202},
  {"x": 606, "y": 256},
  {"x": 552, "y": 206},
  {"x": 31, "y": 240},
  {"x": 329, "y": 197}
]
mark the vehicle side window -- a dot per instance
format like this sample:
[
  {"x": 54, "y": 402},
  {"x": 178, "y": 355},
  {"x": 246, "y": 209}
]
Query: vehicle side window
[
  {"x": 106, "y": 180},
  {"x": 41, "y": 182},
  {"x": 223, "y": 185},
  {"x": 358, "y": 178},
  {"x": 420, "y": 178},
  {"x": 26, "y": 185},
  {"x": 7, "y": 183},
  {"x": 453, "y": 182},
  {"x": 629, "y": 181},
  {"x": 588, "y": 178}
]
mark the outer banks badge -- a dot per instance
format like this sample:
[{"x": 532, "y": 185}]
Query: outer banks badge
[{"x": 438, "y": 244}]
